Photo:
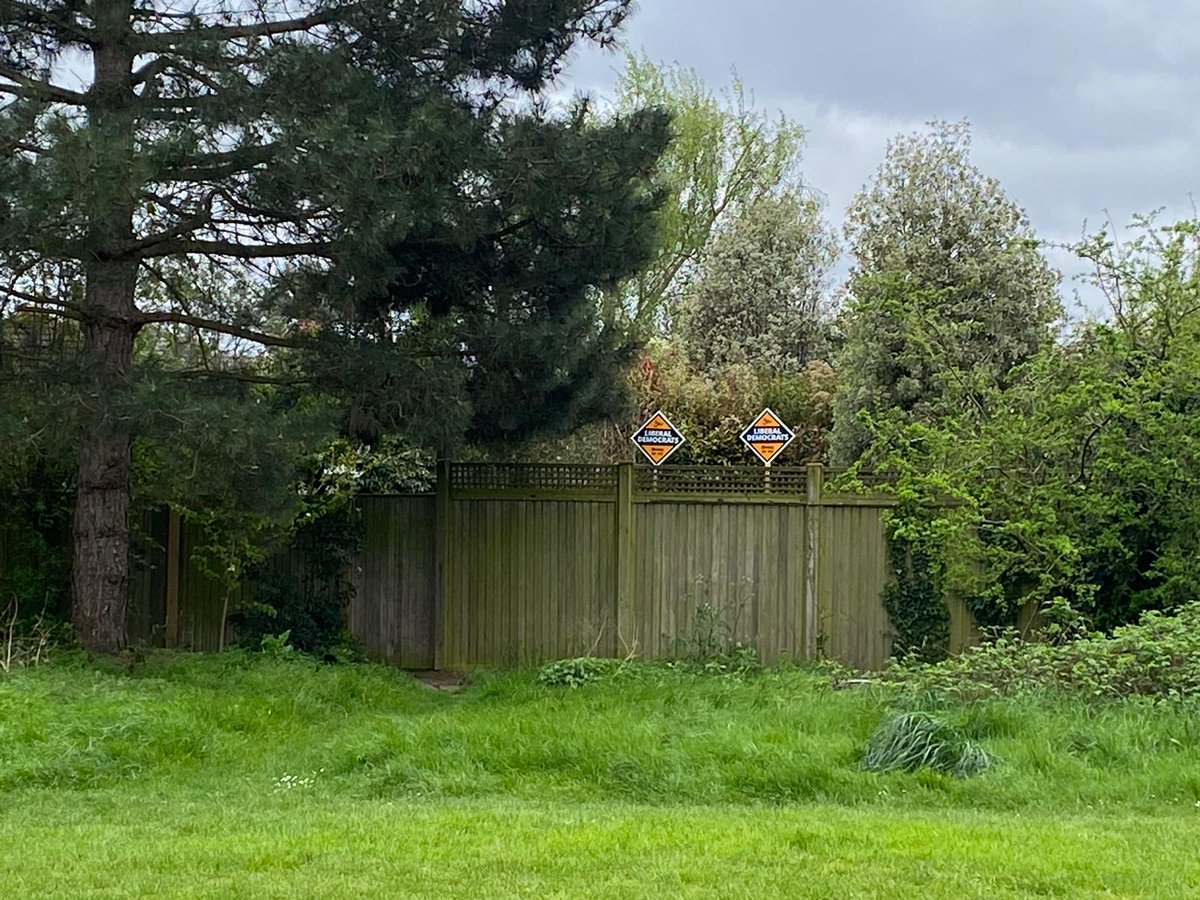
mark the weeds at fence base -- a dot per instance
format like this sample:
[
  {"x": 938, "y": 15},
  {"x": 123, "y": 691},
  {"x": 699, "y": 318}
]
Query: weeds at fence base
[
  {"x": 573, "y": 673},
  {"x": 710, "y": 645},
  {"x": 23, "y": 646}
]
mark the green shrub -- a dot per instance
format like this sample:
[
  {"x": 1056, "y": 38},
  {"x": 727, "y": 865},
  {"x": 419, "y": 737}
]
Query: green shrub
[
  {"x": 305, "y": 600},
  {"x": 918, "y": 740},
  {"x": 276, "y": 646},
  {"x": 573, "y": 673},
  {"x": 1159, "y": 657},
  {"x": 913, "y": 598}
]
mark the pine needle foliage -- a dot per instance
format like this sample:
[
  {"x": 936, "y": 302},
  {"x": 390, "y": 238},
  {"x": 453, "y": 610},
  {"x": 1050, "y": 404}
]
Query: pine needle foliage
[{"x": 365, "y": 200}]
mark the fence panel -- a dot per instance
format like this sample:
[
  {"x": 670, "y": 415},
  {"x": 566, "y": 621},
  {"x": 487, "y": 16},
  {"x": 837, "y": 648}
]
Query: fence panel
[
  {"x": 394, "y": 579},
  {"x": 746, "y": 561},
  {"x": 853, "y": 627},
  {"x": 202, "y": 597},
  {"x": 529, "y": 580}
]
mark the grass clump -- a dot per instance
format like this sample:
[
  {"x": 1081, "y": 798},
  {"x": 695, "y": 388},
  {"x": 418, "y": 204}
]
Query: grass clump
[{"x": 912, "y": 741}]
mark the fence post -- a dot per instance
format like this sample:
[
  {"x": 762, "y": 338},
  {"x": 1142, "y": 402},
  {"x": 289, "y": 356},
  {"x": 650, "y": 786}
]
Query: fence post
[
  {"x": 441, "y": 593},
  {"x": 172, "y": 624},
  {"x": 812, "y": 580},
  {"x": 626, "y": 626}
]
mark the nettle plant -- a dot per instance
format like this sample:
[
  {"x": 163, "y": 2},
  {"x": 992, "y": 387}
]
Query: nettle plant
[{"x": 711, "y": 645}]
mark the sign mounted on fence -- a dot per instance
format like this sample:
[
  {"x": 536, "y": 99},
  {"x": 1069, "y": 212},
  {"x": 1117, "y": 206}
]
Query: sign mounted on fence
[
  {"x": 658, "y": 438},
  {"x": 767, "y": 436}
]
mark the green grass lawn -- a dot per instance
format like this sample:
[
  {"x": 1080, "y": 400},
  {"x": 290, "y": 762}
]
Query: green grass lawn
[{"x": 233, "y": 776}]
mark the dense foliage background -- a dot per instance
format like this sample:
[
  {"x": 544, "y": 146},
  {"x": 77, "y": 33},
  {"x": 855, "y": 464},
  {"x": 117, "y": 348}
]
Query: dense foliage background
[{"x": 582, "y": 267}]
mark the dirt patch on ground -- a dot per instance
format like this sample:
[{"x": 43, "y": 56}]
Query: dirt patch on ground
[{"x": 442, "y": 680}]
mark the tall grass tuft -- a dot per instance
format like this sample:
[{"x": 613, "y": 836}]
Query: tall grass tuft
[{"x": 918, "y": 740}]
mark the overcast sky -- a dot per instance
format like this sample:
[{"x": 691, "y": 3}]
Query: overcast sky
[{"x": 1082, "y": 108}]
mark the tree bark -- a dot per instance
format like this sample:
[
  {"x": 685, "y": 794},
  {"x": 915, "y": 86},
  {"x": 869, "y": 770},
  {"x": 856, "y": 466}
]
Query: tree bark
[
  {"x": 100, "y": 570},
  {"x": 100, "y": 567}
]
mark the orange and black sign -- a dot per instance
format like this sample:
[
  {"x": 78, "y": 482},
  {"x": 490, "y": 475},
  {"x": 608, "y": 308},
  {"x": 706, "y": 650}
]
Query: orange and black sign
[
  {"x": 658, "y": 438},
  {"x": 767, "y": 436}
]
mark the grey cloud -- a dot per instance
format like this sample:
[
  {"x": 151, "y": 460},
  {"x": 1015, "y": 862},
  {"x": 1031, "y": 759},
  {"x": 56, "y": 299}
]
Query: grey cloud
[
  {"x": 1027, "y": 63},
  {"x": 1079, "y": 106}
]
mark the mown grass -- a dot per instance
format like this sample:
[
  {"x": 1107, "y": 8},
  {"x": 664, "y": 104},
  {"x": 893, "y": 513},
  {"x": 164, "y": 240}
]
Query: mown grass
[
  {"x": 122, "y": 844},
  {"x": 174, "y": 780}
]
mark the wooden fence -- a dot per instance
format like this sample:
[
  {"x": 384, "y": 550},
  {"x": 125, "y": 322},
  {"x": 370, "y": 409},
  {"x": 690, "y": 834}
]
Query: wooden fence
[{"x": 517, "y": 564}]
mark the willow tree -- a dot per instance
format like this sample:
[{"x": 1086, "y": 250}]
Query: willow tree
[
  {"x": 395, "y": 218},
  {"x": 724, "y": 155}
]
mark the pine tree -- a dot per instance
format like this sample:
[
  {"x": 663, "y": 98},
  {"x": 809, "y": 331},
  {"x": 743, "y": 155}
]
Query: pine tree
[{"x": 383, "y": 208}]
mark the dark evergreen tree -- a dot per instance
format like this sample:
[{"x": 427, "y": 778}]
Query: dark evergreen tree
[{"x": 361, "y": 196}]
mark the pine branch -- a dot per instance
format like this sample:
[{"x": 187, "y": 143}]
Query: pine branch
[
  {"x": 66, "y": 313},
  {"x": 249, "y": 334},
  {"x": 151, "y": 70},
  {"x": 248, "y": 377},
  {"x": 35, "y": 16},
  {"x": 26, "y": 297},
  {"x": 33, "y": 89},
  {"x": 25, "y": 146},
  {"x": 209, "y": 167},
  {"x": 237, "y": 251},
  {"x": 189, "y": 225},
  {"x": 264, "y": 214},
  {"x": 165, "y": 40}
]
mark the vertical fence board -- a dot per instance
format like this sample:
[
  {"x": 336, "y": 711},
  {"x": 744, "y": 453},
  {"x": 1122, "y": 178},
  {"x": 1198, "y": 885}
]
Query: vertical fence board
[
  {"x": 145, "y": 622},
  {"x": 394, "y": 580},
  {"x": 964, "y": 633}
]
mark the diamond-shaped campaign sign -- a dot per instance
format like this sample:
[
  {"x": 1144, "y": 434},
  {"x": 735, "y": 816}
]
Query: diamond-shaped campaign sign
[
  {"x": 658, "y": 438},
  {"x": 767, "y": 436}
]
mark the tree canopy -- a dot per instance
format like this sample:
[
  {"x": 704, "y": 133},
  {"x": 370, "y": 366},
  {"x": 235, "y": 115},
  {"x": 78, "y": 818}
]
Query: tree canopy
[
  {"x": 761, "y": 293},
  {"x": 724, "y": 155},
  {"x": 948, "y": 289}
]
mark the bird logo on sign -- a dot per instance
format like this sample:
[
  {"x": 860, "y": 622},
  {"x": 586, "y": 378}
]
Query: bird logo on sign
[
  {"x": 767, "y": 436},
  {"x": 658, "y": 438}
]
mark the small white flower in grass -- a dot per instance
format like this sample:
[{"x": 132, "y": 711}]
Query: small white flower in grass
[{"x": 287, "y": 782}]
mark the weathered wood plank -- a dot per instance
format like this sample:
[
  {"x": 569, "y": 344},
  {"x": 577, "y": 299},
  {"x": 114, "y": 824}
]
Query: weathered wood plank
[{"x": 395, "y": 580}]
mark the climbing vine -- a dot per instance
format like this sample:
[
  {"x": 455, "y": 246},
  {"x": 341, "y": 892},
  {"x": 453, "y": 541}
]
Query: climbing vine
[{"x": 914, "y": 597}]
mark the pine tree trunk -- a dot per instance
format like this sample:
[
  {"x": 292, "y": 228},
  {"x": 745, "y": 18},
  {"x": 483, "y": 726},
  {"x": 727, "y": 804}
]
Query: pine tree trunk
[
  {"x": 100, "y": 567},
  {"x": 100, "y": 570}
]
